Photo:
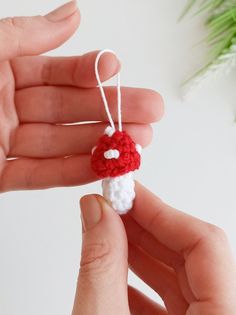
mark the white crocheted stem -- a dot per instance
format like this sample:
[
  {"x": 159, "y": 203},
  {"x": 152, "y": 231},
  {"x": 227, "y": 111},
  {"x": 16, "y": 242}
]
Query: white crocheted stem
[{"x": 119, "y": 192}]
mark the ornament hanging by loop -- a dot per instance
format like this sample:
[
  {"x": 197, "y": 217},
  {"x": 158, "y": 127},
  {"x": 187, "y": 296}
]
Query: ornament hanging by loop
[{"x": 116, "y": 156}]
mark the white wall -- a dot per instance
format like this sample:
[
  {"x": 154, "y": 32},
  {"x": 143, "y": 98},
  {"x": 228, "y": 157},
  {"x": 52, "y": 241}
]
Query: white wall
[{"x": 193, "y": 155}]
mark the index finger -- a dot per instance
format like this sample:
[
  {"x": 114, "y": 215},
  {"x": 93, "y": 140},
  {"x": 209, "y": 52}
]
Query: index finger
[
  {"x": 175, "y": 229},
  {"x": 63, "y": 71},
  {"x": 201, "y": 244}
]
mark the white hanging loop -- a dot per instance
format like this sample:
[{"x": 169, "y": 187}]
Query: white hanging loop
[{"x": 103, "y": 93}]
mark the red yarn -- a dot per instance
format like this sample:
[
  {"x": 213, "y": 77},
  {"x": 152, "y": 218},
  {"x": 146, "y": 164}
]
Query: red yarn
[{"x": 129, "y": 159}]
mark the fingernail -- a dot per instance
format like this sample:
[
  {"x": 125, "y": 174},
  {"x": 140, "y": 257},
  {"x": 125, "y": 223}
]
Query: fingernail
[
  {"x": 63, "y": 12},
  {"x": 91, "y": 211}
]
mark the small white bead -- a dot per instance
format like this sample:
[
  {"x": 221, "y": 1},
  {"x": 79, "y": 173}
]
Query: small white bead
[
  {"x": 109, "y": 131},
  {"x": 139, "y": 148},
  {"x": 111, "y": 154}
]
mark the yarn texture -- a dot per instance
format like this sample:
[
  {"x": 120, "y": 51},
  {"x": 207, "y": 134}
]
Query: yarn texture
[
  {"x": 127, "y": 161},
  {"x": 119, "y": 192},
  {"x": 116, "y": 156}
]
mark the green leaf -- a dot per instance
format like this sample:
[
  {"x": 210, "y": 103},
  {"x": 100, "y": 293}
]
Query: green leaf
[
  {"x": 221, "y": 24},
  {"x": 187, "y": 8},
  {"x": 209, "y": 5}
]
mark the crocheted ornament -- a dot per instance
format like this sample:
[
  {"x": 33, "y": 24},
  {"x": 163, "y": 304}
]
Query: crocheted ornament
[{"x": 116, "y": 157}]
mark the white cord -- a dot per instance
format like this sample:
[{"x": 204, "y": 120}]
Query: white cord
[{"x": 103, "y": 93}]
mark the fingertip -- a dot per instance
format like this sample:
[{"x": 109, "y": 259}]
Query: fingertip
[
  {"x": 84, "y": 74},
  {"x": 64, "y": 29},
  {"x": 141, "y": 189},
  {"x": 91, "y": 211},
  {"x": 105, "y": 205},
  {"x": 65, "y": 20},
  {"x": 150, "y": 104},
  {"x": 156, "y": 105},
  {"x": 99, "y": 217},
  {"x": 86, "y": 200},
  {"x": 108, "y": 66},
  {"x": 83, "y": 200},
  {"x": 63, "y": 12},
  {"x": 147, "y": 135},
  {"x": 72, "y": 22},
  {"x": 140, "y": 133}
]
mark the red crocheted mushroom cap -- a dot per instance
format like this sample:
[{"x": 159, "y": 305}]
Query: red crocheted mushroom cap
[{"x": 128, "y": 160}]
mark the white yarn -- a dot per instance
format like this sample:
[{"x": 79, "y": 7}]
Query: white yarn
[
  {"x": 111, "y": 154},
  {"x": 139, "y": 148},
  {"x": 109, "y": 131},
  {"x": 119, "y": 192},
  {"x": 103, "y": 93}
]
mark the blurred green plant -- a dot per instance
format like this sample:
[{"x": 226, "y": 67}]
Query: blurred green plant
[{"x": 221, "y": 24}]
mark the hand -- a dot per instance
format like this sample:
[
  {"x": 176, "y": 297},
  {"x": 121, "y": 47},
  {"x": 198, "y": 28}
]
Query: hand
[
  {"x": 41, "y": 97},
  {"x": 186, "y": 261}
]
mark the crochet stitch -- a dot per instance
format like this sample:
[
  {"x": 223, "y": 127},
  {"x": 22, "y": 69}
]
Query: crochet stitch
[
  {"x": 113, "y": 190},
  {"x": 127, "y": 161},
  {"x": 116, "y": 156}
]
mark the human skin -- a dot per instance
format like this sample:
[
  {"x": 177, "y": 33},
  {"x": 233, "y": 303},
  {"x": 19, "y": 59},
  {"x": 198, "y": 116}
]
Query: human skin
[
  {"x": 188, "y": 262},
  {"x": 40, "y": 94}
]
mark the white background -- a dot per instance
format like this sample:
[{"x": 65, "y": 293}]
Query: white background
[{"x": 191, "y": 163}]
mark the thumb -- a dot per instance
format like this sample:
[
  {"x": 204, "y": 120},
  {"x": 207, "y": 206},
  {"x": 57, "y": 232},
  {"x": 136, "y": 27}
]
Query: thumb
[
  {"x": 102, "y": 282},
  {"x": 35, "y": 35}
]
